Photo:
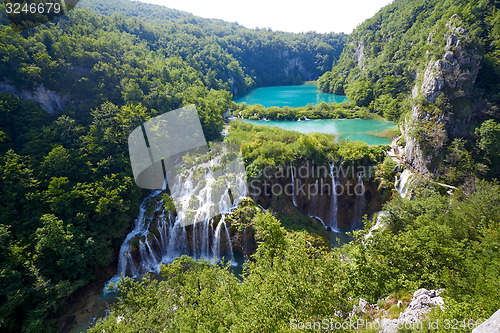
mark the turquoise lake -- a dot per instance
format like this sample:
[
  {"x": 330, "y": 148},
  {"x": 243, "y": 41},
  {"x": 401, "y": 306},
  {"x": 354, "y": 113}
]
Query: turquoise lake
[
  {"x": 352, "y": 129},
  {"x": 292, "y": 96},
  {"x": 296, "y": 96}
]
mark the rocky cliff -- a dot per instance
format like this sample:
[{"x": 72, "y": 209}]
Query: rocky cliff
[
  {"x": 309, "y": 188},
  {"x": 441, "y": 103},
  {"x": 50, "y": 101}
]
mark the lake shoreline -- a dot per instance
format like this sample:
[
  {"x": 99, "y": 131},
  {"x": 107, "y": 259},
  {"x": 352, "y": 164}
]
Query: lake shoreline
[
  {"x": 371, "y": 131},
  {"x": 308, "y": 112}
]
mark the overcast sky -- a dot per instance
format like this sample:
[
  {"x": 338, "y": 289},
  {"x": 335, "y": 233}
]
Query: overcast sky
[{"x": 285, "y": 15}]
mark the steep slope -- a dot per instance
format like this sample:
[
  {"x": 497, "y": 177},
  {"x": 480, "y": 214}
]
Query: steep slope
[
  {"x": 433, "y": 65},
  {"x": 443, "y": 100}
]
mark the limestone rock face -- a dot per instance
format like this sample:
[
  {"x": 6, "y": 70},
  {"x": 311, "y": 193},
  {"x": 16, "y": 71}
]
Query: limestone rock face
[
  {"x": 453, "y": 75},
  {"x": 48, "y": 100},
  {"x": 422, "y": 302},
  {"x": 313, "y": 194},
  {"x": 491, "y": 325},
  {"x": 294, "y": 66},
  {"x": 456, "y": 70},
  {"x": 360, "y": 55},
  {"x": 362, "y": 307}
]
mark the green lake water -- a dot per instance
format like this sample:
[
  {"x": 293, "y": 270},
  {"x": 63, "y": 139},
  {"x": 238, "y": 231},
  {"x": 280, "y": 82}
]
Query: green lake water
[
  {"x": 295, "y": 96},
  {"x": 352, "y": 129},
  {"x": 292, "y": 96}
]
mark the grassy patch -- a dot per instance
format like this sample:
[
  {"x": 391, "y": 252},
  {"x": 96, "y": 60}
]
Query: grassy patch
[
  {"x": 388, "y": 133},
  {"x": 297, "y": 222}
]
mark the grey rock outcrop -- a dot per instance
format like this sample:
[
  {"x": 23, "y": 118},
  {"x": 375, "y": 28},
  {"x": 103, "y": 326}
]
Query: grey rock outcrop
[
  {"x": 456, "y": 70},
  {"x": 48, "y": 100},
  {"x": 362, "y": 307},
  {"x": 453, "y": 75},
  {"x": 360, "y": 55},
  {"x": 421, "y": 304},
  {"x": 491, "y": 325}
]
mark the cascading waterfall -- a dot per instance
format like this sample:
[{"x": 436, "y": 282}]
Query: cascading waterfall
[
  {"x": 333, "y": 223},
  {"x": 403, "y": 183},
  {"x": 229, "y": 244},
  {"x": 159, "y": 236},
  {"x": 202, "y": 214},
  {"x": 216, "y": 245},
  {"x": 126, "y": 263},
  {"x": 217, "y": 241},
  {"x": 360, "y": 201}
]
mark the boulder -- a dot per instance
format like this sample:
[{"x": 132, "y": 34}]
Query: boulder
[
  {"x": 421, "y": 304},
  {"x": 491, "y": 325}
]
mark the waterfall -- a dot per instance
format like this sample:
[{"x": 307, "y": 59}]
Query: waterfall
[
  {"x": 200, "y": 193},
  {"x": 126, "y": 263},
  {"x": 403, "y": 183},
  {"x": 229, "y": 245},
  {"x": 378, "y": 223},
  {"x": 333, "y": 223},
  {"x": 225, "y": 202},
  {"x": 216, "y": 244},
  {"x": 203, "y": 214},
  {"x": 217, "y": 241},
  {"x": 177, "y": 242},
  {"x": 293, "y": 186},
  {"x": 360, "y": 206}
]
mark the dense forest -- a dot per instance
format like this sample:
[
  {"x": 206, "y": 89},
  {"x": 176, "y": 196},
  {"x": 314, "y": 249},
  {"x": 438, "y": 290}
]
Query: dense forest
[
  {"x": 73, "y": 90},
  {"x": 67, "y": 190},
  {"x": 266, "y": 57}
]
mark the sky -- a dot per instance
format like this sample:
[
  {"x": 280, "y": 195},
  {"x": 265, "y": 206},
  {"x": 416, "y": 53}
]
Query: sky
[{"x": 285, "y": 15}]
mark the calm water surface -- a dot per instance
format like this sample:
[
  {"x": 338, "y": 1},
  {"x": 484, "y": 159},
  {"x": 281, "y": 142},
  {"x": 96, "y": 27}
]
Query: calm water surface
[
  {"x": 296, "y": 96},
  {"x": 292, "y": 96},
  {"x": 352, "y": 129}
]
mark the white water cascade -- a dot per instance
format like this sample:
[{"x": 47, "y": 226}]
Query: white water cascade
[
  {"x": 333, "y": 223},
  {"x": 217, "y": 241},
  {"x": 126, "y": 263},
  {"x": 403, "y": 183},
  {"x": 159, "y": 236}
]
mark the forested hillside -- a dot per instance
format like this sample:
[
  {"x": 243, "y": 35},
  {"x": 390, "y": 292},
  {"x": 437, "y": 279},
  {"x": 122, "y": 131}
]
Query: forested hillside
[
  {"x": 434, "y": 66},
  {"x": 267, "y": 57},
  {"x": 73, "y": 90},
  {"x": 386, "y": 52}
]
